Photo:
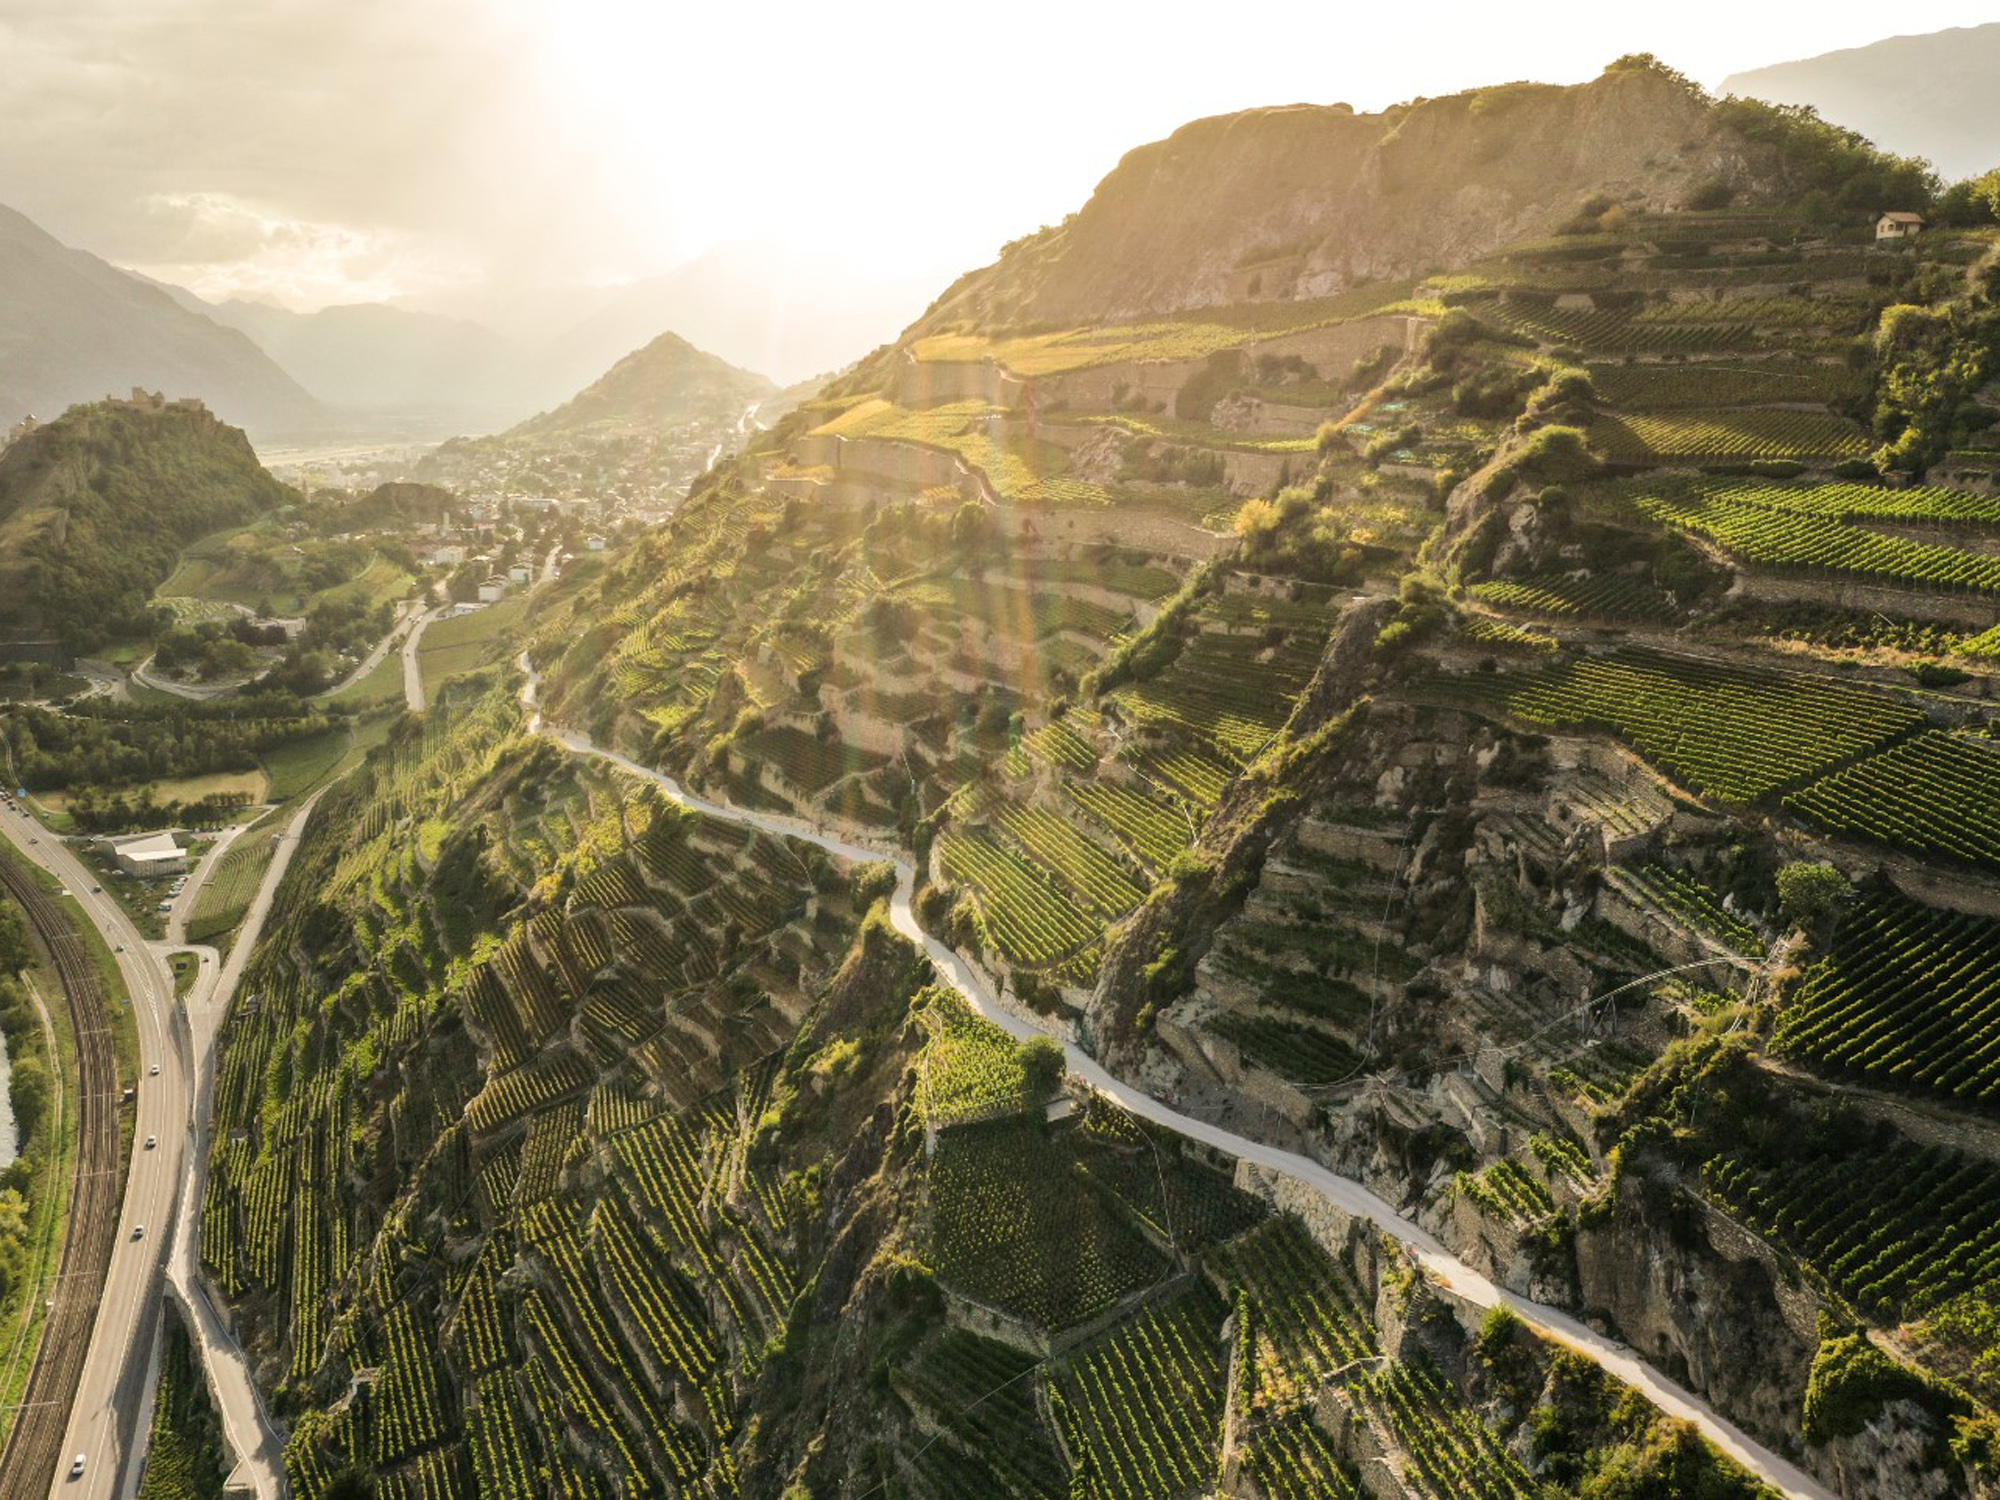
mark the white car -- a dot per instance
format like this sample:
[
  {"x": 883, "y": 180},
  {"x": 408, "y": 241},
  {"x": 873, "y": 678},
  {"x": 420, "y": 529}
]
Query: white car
[
  {"x": 154, "y": 1070},
  {"x": 76, "y": 1467},
  {"x": 138, "y": 1231},
  {"x": 152, "y": 1141}
]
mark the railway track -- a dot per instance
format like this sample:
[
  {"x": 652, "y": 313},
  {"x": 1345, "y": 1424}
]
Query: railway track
[{"x": 33, "y": 1452}]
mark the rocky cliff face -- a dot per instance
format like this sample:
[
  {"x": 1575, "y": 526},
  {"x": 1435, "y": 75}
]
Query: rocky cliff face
[{"x": 1307, "y": 201}]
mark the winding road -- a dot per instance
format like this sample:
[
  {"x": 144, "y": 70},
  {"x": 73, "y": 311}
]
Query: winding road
[{"x": 1343, "y": 1193}]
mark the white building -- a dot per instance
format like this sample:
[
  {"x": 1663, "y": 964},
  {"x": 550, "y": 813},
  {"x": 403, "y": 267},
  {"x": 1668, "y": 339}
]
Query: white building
[
  {"x": 593, "y": 543},
  {"x": 492, "y": 589},
  {"x": 150, "y": 855},
  {"x": 1899, "y": 226},
  {"x": 520, "y": 573}
]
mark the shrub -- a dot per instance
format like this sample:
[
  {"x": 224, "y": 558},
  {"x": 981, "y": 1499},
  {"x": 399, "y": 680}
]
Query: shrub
[
  {"x": 1555, "y": 455},
  {"x": 1810, "y": 890}
]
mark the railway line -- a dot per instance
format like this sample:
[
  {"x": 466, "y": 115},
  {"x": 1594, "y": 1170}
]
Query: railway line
[{"x": 34, "y": 1448}]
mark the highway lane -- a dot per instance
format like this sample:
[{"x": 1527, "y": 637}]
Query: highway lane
[
  {"x": 1348, "y": 1196},
  {"x": 122, "y": 1333}
]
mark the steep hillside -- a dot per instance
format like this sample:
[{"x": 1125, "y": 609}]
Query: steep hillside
[
  {"x": 73, "y": 328},
  {"x": 1308, "y": 201},
  {"x": 1517, "y": 735},
  {"x": 1927, "y": 96},
  {"x": 96, "y": 505},
  {"x": 668, "y": 383}
]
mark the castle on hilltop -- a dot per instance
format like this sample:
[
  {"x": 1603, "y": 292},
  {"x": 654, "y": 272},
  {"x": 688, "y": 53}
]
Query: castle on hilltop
[{"x": 142, "y": 399}]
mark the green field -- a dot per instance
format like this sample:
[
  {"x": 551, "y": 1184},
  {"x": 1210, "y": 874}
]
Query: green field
[{"x": 467, "y": 642}]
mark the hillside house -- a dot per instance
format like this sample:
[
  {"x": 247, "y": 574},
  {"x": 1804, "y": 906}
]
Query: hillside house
[
  {"x": 1899, "y": 226},
  {"x": 492, "y": 589},
  {"x": 593, "y": 543}
]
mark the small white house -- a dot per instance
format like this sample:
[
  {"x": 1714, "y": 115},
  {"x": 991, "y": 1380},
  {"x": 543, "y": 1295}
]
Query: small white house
[
  {"x": 520, "y": 573},
  {"x": 492, "y": 589},
  {"x": 154, "y": 854},
  {"x": 593, "y": 543},
  {"x": 1899, "y": 226}
]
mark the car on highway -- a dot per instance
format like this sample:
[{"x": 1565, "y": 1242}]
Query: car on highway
[
  {"x": 76, "y": 1467},
  {"x": 138, "y": 1231},
  {"x": 154, "y": 1070},
  {"x": 152, "y": 1141},
  {"x": 97, "y": 890}
]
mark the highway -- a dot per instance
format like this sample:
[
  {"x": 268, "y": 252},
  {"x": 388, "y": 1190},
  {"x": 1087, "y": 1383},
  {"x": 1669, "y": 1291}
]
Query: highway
[
  {"x": 121, "y": 1335},
  {"x": 103, "y": 1418},
  {"x": 1343, "y": 1193}
]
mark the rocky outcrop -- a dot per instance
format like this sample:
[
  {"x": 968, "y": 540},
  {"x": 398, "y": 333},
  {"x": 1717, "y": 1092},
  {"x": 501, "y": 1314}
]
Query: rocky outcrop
[{"x": 1307, "y": 201}]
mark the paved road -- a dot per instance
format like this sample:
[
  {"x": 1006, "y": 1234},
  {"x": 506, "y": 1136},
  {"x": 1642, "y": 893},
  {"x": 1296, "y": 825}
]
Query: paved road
[
  {"x": 122, "y": 1332},
  {"x": 1343, "y": 1193},
  {"x": 406, "y": 614},
  {"x": 164, "y": 1184},
  {"x": 245, "y": 1421},
  {"x": 34, "y": 1447},
  {"x": 413, "y": 671},
  {"x": 194, "y": 692}
]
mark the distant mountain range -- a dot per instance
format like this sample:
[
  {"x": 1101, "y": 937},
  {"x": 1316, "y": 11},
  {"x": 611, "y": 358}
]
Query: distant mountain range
[
  {"x": 75, "y": 328},
  {"x": 1931, "y": 96},
  {"x": 372, "y": 357}
]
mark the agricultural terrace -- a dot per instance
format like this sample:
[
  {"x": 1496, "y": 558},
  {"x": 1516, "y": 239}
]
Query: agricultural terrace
[
  {"x": 1192, "y": 336},
  {"x": 1907, "y": 998},
  {"x": 1730, "y": 733},
  {"x": 1825, "y": 528}
]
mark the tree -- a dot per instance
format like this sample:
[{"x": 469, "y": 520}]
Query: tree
[
  {"x": 1042, "y": 1069},
  {"x": 1809, "y": 891}
]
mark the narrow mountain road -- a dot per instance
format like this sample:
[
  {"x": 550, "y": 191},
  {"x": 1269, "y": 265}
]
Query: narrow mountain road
[{"x": 1343, "y": 1193}]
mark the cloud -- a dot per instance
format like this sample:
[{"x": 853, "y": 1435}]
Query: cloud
[{"x": 220, "y": 247}]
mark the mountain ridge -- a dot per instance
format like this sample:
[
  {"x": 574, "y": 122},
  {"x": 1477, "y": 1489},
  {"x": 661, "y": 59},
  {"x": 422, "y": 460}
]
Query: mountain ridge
[{"x": 74, "y": 327}]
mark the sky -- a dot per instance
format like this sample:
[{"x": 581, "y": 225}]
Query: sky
[{"x": 503, "y": 157}]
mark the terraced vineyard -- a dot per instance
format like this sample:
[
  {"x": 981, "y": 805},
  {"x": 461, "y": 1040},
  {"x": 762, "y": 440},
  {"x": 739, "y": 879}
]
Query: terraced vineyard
[
  {"x": 1726, "y": 436},
  {"x": 1769, "y": 536},
  {"x": 1613, "y": 596},
  {"x": 1718, "y": 383},
  {"x": 971, "y": 1066},
  {"x": 1142, "y": 1410},
  {"x": 1451, "y": 1453},
  {"x": 1920, "y": 1226},
  {"x": 1935, "y": 793},
  {"x": 1732, "y": 734},
  {"x": 1014, "y": 1227}
]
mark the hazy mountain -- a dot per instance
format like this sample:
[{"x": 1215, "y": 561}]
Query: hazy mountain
[
  {"x": 372, "y": 357},
  {"x": 1929, "y": 96},
  {"x": 666, "y": 384},
  {"x": 75, "y": 328},
  {"x": 755, "y": 306}
]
